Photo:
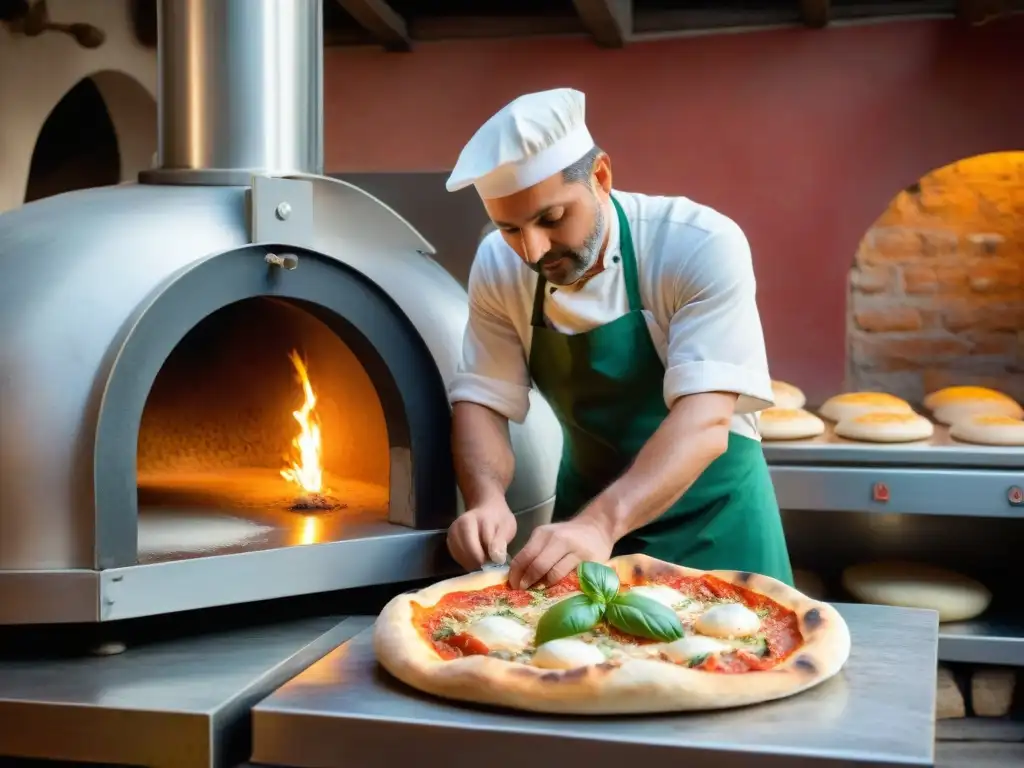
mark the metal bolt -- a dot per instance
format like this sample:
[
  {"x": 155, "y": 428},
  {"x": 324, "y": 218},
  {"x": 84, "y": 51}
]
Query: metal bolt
[{"x": 283, "y": 211}]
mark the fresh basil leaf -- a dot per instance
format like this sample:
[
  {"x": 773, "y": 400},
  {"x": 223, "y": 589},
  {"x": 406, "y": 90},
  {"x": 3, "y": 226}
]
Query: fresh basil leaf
[
  {"x": 598, "y": 582},
  {"x": 696, "y": 661},
  {"x": 568, "y": 617},
  {"x": 643, "y": 617}
]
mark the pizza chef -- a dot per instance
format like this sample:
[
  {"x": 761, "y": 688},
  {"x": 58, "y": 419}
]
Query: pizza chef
[{"x": 635, "y": 317}]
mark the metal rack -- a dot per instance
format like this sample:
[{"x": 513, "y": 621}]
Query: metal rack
[{"x": 936, "y": 477}]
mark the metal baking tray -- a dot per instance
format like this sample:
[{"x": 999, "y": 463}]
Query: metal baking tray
[
  {"x": 941, "y": 451},
  {"x": 346, "y": 712}
]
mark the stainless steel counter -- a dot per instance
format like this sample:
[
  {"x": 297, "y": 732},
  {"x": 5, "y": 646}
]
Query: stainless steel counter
[
  {"x": 937, "y": 477},
  {"x": 176, "y": 704},
  {"x": 934, "y": 477},
  {"x": 940, "y": 451},
  {"x": 345, "y": 711}
]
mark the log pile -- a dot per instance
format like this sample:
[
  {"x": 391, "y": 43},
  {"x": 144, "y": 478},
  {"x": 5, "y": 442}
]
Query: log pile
[{"x": 981, "y": 691}]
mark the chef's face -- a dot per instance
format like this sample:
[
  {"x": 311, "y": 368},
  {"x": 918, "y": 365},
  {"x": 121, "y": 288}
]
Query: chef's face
[{"x": 557, "y": 227}]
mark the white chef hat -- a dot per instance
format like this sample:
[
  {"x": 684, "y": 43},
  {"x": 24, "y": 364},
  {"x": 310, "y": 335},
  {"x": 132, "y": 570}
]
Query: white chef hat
[{"x": 533, "y": 137}]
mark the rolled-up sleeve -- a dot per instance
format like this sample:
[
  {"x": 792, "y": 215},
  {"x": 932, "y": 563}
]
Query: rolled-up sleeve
[
  {"x": 494, "y": 371},
  {"x": 715, "y": 340}
]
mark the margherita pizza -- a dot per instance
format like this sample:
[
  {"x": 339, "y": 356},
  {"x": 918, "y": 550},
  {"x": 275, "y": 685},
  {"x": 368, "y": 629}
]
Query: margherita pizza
[{"x": 636, "y": 635}]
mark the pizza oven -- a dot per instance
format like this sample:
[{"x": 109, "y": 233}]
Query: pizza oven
[{"x": 227, "y": 383}]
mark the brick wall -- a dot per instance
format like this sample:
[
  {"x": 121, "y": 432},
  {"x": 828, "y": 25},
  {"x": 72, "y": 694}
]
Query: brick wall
[{"x": 936, "y": 294}]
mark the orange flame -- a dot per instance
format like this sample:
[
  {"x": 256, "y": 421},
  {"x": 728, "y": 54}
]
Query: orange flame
[{"x": 306, "y": 467}]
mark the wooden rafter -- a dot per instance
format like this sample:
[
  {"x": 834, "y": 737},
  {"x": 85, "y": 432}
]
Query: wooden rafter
[
  {"x": 978, "y": 12},
  {"x": 381, "y": 21},
  {"x": 609, "y": 22},
  {"x": 815, "y": 13}
]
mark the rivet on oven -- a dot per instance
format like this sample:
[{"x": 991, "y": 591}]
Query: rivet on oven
[
  {"x": 283, "y": 211},
  {"x": 1015, "y": 495}
]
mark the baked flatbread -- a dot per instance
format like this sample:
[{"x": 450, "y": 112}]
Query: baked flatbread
[
  {"x": 914, "y": 585},
  {"x": 856, "y": 403},
  {"x": 989, "y": 430},
  {"x": 745, "y": 638},
  {"x": 788, "y": 424},
  {"x": 883, "y": 427},
  {"x": 787, "y": 396},
  {"x": 948, "y": 395},
  {"x": 952, "y": 404}
]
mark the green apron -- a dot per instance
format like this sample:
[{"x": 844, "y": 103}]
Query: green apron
[{"x": 605, "y": 386}]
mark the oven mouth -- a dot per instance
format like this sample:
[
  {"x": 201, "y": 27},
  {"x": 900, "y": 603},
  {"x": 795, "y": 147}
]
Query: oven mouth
[{"x": 200, "y": 416}]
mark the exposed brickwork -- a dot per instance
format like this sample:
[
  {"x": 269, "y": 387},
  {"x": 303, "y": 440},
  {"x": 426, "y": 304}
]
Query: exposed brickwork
[{"x": 936, "y": 294}]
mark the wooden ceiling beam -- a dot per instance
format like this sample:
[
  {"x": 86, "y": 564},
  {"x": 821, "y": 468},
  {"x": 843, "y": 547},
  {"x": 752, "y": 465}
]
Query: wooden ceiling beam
[
  {"x": 380, "y": 20},
  {"x": 979, "y": 12},
  {"x": 816, "y": 14},
  {"x": 609, "y": 22}
]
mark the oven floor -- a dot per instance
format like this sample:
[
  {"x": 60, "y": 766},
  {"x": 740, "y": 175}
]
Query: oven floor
[{"x": 183, "y": 515}]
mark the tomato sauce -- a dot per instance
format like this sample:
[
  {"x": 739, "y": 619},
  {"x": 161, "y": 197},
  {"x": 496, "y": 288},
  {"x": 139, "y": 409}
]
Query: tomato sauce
[
  {"x": 457, "y": 605},
  {"x": 779, "y": 625}
]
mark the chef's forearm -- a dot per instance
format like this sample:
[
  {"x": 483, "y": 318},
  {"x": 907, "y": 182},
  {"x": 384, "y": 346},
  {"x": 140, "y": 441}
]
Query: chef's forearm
[
  {"x": 694, "y": 434},
  {"x": 484, "y": 462}
]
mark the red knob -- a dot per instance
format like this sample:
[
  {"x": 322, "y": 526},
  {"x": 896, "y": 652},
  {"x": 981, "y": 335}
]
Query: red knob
[{"x": 880, "y": 492}]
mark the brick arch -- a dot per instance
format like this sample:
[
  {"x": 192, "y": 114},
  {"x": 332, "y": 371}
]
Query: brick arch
[{"x": 936, "y": 293}]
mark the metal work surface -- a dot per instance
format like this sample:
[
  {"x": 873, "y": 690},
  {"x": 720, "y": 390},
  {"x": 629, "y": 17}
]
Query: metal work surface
[
  {"x": 996, "y": 640},
  {"x": 176, "y": 704},
  {"x": 345, "y": 711},
  {"x": 271, "y": 564},
  {"x": 940, "y": 451},
  {"x": 903, "y": 490}
]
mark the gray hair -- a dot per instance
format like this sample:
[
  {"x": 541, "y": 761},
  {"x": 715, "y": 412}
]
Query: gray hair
[{"x": 581, "y": 171}]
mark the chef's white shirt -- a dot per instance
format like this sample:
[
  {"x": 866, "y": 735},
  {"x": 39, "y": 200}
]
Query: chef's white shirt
[{"x": 698, "y": 291}]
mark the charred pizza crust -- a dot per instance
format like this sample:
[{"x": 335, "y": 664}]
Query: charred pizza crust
[{"x": 616, "y": 687}]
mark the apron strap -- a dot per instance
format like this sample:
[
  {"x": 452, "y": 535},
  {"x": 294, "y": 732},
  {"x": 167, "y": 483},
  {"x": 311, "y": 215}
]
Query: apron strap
[
  {"x": 538, "y": 302},
  {"x": 629, "y": 268},
  {"x": 630, "y": 272}
]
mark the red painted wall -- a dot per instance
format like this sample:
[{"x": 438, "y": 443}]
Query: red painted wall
[{"x": 801, "y": 136}]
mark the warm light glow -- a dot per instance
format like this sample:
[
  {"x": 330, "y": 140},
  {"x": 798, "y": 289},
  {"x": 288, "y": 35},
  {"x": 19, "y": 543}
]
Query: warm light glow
[
  {"x": 310, "y": 530},
  {"x": 306, "y": 462}
]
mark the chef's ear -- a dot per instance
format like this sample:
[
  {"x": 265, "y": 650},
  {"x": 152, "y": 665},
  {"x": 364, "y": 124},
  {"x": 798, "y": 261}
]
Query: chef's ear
[{"x": 601, "y": 176}]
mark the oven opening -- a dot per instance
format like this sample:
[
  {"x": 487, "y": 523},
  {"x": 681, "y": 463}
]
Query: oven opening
[
  {"x": 936, "y": 295},
  {"x": 262, "y": 430}
]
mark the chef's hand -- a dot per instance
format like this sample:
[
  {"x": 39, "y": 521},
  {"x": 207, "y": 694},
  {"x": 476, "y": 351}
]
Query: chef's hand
[
  {"x": 481, "y": 535},
  {"x": 554, "y": 550}
]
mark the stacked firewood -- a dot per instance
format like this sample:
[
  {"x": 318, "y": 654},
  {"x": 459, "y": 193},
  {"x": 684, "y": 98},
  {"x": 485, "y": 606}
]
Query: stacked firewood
[{"x": 981, "y": 691}]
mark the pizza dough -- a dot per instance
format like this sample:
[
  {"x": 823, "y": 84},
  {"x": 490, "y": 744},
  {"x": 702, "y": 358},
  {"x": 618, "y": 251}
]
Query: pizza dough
[
  {"x": 789, "y": 424},
  {"x": 989, "y": 430},
  {"x": 791, "y": 643},
  {"x": 914, "y": 585},
  {"x": 950, "y": 395},
  {"x": 886, "y": 427},
  {"x": 953, "y": 404},
  {"x": 853, "y": 404},
  {"x": 787, "y": 396}
]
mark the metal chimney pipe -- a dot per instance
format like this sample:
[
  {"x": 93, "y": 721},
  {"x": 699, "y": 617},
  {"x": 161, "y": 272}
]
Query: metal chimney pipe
[{"x": 240, "y": 90}]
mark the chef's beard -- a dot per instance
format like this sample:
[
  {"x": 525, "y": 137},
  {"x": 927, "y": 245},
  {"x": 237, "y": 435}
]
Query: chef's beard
[{"x": 575, "y": 262}]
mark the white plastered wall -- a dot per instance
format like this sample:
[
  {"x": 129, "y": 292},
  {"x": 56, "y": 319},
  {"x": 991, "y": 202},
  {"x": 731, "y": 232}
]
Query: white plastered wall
[{"x": 36, "y": 73}]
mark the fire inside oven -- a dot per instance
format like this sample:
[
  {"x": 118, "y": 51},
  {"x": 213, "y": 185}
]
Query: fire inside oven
[{"x": 262, "y": 430}]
